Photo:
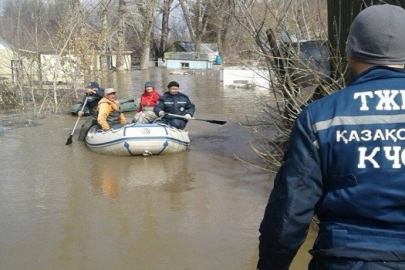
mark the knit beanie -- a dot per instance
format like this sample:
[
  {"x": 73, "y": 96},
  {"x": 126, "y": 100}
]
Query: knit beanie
[
  {"x": 377, "y": 35},
  {"x": 173, "y": 83},
  {"x": 93, "y": 85},
  {"x": 148, "y": 84}
]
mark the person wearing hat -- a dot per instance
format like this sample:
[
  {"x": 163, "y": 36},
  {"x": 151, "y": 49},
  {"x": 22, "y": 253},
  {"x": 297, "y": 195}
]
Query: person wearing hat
[
  {"x": 346, "y": 162},
  {"x": 174, "y": 102},
  {"x": 149, "y": 99},
  {"x": 109, "y": 113},
  {"x": 93, "y": 94}
]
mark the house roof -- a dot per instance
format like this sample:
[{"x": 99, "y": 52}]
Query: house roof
[{"x": 186, "y": 46}]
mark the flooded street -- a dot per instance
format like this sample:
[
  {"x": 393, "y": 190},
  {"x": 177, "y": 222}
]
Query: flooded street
[{"x": 65, "y": 207}]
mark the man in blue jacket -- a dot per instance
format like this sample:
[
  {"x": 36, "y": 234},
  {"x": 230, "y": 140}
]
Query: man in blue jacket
[
  {"x": 346, "y": 162},
  {"x": 174, "y": 102}
]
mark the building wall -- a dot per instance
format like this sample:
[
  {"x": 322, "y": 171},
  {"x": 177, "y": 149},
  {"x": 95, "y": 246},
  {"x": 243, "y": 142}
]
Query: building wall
[
  {"x": 127, "y": 61},
  {"x": 6, "y": 56},
  {"x": 110, "y": 60},
  {"x": 33, "y": 66},
  {"x": 55, "y": 68},
  {"x": 64, "y": 69},
  {"x": 237, "y": 76},
  {"x": 188, "y": 64}
]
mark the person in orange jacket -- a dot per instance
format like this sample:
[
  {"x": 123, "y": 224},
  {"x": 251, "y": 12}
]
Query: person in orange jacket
[{"x": 109, "y": 113}]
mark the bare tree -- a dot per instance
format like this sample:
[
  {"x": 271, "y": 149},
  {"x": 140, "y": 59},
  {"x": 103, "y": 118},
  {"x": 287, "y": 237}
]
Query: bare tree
[
  {"x": 165, "y": 24},
  {"x": 196, "y": 17},
  {"x": 50, "y": 42},
  {"x": 104, "y": 4},
  {"x": 143, "y": 20},
  {"x": 221, "y": 19},
  {"x": 275, "y": 32},
  {"x": 122, "y": 10}
]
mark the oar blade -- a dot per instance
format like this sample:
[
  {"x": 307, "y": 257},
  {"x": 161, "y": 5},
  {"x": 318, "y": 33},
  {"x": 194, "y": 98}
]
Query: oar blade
[
  {"x": 69, "y": 140},
  {"x": 218, "y": 122}
]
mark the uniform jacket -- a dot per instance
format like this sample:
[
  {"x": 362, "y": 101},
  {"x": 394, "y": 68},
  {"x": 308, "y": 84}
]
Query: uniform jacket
[
  {"x": 109, "y": 113},
  {"x": 346, "y": 164},
  {"x": 149, "y": 99},
  {"x": 175, "y": 104},
  {"x": 93, "y": 101}
]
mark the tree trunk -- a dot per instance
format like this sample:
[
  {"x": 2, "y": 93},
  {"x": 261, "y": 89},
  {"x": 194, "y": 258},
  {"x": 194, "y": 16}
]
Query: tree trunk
[
  {"x": 198, "y": 27},
  {"x": 147, "y": 11},
  {"x": 165, "y": 25},
  {"x": 122, "y": 9},
  {"x": 219, "y": 40},
  {"x": 104, "y": 30},
  {"x": 145, "y": 57}
]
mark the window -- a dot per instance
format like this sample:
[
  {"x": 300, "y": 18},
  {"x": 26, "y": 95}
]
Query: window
[
  {"x": 240, "y": 81},
  {"x": 185, "y": 65}
]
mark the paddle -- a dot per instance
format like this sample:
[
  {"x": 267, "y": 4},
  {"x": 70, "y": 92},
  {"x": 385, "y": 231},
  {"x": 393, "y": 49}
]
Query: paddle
[
  {"x": 218, "y": 122},
  {"x": 69, "y": 140}
]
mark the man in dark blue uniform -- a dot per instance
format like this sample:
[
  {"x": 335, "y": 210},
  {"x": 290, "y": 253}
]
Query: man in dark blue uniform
[
  {"x": 346, "y": 162},
  {"x": 174, "y": 102},
  {"x": 93, "y": 95}
]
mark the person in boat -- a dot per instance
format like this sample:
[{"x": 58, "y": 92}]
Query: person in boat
[
  {"x": 109, "y": 114},
  {"x": 94, "y": 93},
  {"x": 346, "y": 163},
  {"x": 149, "y": 99},
  {"x": 174, "y": 102}
]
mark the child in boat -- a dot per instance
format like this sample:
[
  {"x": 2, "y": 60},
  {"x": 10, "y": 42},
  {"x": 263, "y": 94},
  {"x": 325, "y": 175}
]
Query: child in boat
[{"x": 148, "y": 101}]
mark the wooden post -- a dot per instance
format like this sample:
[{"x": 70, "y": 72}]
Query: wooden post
[{"x": 340, "y": 16}]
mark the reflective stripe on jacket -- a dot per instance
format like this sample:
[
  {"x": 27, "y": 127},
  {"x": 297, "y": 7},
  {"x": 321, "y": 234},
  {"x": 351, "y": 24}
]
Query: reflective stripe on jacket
[{"x": 175, "y": 104}]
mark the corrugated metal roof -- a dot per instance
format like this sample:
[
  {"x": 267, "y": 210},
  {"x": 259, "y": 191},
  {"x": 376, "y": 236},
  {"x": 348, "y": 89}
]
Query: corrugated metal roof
[{"x": 190, "y": 46}]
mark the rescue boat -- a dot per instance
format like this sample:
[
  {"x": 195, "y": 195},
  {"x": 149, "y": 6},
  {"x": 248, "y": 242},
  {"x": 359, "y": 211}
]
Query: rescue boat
[
  {"x": 126, "y": 105},
  {"x": 138, "y": 139}
]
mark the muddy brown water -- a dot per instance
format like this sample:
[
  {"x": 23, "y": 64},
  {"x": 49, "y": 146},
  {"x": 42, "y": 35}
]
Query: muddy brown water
[{"x": 65, "y": 207}]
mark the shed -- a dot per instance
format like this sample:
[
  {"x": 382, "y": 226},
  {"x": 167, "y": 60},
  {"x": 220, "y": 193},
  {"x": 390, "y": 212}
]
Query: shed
[{"x": 182, "y": 55}]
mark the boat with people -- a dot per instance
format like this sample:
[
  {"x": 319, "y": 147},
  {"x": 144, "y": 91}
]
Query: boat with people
[
  {"x": 138, "y": 139},
  {"x": 126, "y": 105}
]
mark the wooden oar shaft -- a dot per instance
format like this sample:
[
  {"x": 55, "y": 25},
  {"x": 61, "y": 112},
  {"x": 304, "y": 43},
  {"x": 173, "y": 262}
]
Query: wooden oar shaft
[
  {"x": 219, "y": 122},
  {"x": 69, "y": 140}
]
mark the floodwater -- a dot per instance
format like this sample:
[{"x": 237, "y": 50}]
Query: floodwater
[{"x": 65, "y": 207}]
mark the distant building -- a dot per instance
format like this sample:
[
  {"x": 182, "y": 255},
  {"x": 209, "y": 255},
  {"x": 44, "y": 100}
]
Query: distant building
[
  {"x": 242, "y": 77},
  {"x": 182, "y": 55},
  {"x": 9, "y": 63},
  {"x": 18, "y": 64}
]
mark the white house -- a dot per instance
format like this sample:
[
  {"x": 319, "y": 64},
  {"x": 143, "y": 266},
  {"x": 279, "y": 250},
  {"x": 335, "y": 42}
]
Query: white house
[
  {"x": 238, "y": 76},
  {"x": 182, "y": 55}
]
